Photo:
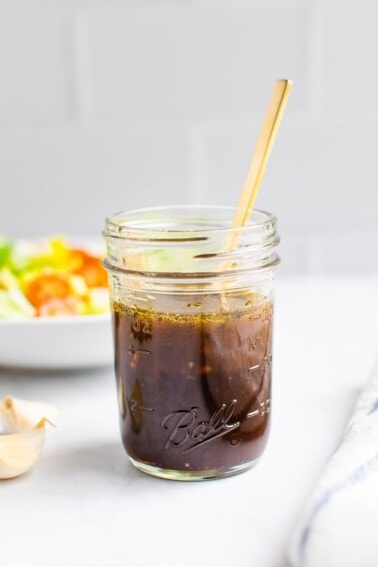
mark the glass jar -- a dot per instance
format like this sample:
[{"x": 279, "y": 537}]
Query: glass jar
[{"x": 192, "y": 309}]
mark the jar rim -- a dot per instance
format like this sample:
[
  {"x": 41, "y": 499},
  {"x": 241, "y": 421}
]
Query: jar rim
[
  {"x": 189, "y": 239},
  {"x": 139, "y": 221}
]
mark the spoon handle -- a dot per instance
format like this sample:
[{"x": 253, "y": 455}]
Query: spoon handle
[{"x": 262, "y": 152}]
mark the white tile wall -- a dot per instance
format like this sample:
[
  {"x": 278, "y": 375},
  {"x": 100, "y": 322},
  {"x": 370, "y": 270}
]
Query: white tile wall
[
  {"x": 346, "y": 58},
  {"x": 69, "y": 179},
  {"x": 34, "y": 69},
  {"x": 111, "y": 104},
  {"x": 190, "y": 61}
]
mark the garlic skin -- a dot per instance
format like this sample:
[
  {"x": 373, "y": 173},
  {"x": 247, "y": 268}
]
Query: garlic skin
[
  {"x": 22, "y": 415},
  {"x": 24, "y": 423},
  {"x": 20, "y": 451}
]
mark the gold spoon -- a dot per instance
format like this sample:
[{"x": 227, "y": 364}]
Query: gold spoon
[
  {"x": 259, "y": 161},
  {"x": 262, "y": 152}
]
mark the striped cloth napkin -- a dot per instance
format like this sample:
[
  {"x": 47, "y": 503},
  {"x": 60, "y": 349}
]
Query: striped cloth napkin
[{"x": 339, "y": 527}]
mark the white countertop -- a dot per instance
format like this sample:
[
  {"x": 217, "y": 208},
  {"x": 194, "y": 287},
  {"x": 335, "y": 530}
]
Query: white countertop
[{"x": 84, "y": 505}]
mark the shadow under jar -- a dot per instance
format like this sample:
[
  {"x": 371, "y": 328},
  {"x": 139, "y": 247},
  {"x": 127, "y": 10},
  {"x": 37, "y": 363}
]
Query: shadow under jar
[{"x": 192, "y": 309}]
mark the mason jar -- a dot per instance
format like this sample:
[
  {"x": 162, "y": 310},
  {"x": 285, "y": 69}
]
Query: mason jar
[{"x": 192, "y": 311}]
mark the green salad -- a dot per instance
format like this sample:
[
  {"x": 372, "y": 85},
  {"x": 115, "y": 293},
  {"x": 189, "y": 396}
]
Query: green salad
[{"x": 50, "y": 278}]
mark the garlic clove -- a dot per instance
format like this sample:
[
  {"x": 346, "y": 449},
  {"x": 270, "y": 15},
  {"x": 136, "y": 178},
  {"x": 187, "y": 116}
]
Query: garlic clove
[
  {"x": 22, "y": 415},
  {"x": 20, "y": 451},
  {"x": 24, "y": 422}
]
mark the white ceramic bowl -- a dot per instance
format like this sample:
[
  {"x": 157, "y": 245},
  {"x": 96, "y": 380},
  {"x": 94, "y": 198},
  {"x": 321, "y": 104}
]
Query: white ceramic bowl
[{"x": 56, "y": 342}]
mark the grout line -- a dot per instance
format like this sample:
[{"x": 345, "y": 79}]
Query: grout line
[{"x": 82, "y": 68}]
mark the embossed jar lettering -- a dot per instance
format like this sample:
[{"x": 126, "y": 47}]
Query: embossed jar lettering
[{"x": 183, "y": 426}]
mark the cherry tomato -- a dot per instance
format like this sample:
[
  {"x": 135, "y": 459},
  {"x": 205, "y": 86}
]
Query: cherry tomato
[
  {"x": 90, "y": 268},
  {"x": 47, "y": 286}
]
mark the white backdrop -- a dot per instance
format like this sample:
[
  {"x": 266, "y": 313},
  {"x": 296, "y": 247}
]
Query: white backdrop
[{"x": 107, "y": 104}]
